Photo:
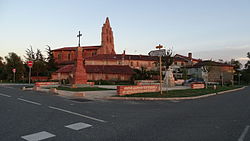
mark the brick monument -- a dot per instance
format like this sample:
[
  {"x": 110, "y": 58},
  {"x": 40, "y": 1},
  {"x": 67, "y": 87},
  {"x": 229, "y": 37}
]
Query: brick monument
[{"x": 79, "y": 71}]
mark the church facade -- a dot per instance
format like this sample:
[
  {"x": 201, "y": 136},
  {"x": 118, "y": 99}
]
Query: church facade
[
  {"x": 101, "y": 61},
  {"x": 66, "y": 55}
]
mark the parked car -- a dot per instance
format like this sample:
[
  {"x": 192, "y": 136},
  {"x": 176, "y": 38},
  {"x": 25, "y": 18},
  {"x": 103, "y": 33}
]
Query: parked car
[{"x": 193, "y": 80}]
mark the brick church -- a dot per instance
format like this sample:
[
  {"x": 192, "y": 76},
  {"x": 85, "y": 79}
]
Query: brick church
[{"x": 101, "y": 61}]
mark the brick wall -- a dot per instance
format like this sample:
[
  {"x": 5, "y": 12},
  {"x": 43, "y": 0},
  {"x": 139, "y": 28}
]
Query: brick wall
[{"x": 127, "y": 90}]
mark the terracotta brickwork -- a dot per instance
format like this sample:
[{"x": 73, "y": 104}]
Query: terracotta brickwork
[
  {"x": 107, "y": 46},
  {"x": 67, "y": 55},
  {"x": 127, "y": 90},
  {"x": 79, "y": 71},
  {"x": 197, "y": 86}
]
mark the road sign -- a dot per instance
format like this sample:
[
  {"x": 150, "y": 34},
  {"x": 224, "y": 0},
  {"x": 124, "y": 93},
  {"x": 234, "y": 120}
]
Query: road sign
[
  {"x": 30, "y": 64},
  {"x": 14, "y": 70},
  {"x": 160, "y": 52}
]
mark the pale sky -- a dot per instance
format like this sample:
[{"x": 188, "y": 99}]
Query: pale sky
[{"x": 210, "y": 29}]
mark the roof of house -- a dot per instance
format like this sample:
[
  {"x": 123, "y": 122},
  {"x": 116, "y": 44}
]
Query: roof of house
[
  {"x": 106, "y": 69},
  {"x": 185, "y": 58},
  {"x": 74, "y": 48},
  {"x": 210, "y": 63},
  {"x": 120, "y": 57}
]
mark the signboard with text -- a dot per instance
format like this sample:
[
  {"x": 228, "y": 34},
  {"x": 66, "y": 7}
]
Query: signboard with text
[{"x": 161, "y": 52}]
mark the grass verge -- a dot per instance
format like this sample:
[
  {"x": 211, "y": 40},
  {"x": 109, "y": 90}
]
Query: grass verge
[{"x": 183, "y": 93}]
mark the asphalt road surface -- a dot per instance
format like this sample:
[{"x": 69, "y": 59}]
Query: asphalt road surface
[{"x": 29, "y": 115}]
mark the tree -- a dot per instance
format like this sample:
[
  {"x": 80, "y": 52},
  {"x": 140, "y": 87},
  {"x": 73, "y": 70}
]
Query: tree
[
  {"x": 51, "y": 64},
  {"x": 2, "y": 69},
  {"x": 30, "y": 54},
  {"x": 237, "y": 65},
  {"x": 141, "y": 74},
  {"x": 246, "y": 72},
  {"x": 14, "y": 61},
  {"x": 247, "y": 65},
  {"x": 39, "y": 64},
  {"x": 206, "y": 68}
]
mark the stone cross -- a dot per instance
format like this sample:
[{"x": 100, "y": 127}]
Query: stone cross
[{"x": 79, "y": 36}]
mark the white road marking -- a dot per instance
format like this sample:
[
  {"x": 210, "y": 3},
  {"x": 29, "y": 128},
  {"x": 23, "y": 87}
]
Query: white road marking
[
  {"x": 243, "y": 134},
  {"x": 38, "y": 136},
  {"x": 78, "y": 126},
  {"x": 4, "y": 95},
  {"x": 73, "y": 113},
  {"x": 28, "y": 101}
]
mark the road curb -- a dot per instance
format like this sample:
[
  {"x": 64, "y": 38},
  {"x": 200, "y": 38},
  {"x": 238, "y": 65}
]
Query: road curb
[{"x": 174, "y": 98}]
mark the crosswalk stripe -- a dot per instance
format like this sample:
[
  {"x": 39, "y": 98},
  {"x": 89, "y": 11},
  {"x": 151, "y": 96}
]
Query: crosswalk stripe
[
  {"x": 78, "y": 126},
  {"x": 38, "y": 136}
]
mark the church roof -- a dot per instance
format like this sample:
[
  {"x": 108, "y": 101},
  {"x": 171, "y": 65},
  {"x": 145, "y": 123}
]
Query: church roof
[
  {"x": 74, "y": 48},
  {"x": 121, "y": 56},
  {"x": 106, "y": 69}
]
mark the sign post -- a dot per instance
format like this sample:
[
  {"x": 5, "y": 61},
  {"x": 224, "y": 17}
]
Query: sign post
[
  {"x": 30, "y": 64},
  {"x": 14, "y": 74},
  {"x": 159, "y": 47}
]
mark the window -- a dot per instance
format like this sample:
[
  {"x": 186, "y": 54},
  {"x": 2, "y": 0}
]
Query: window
[
  {"x": 131, "y": 63},
  {"x": 93, "y": 53},
  {"x": 69, "y": 57},
  {"x": 59, "y": 56}
]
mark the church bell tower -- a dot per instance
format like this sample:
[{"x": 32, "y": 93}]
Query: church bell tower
[{"x": 107, "y": 45}]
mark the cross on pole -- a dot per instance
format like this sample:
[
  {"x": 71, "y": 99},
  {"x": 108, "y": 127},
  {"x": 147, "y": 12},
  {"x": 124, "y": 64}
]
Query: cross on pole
[{"x": 79, "y": 36}]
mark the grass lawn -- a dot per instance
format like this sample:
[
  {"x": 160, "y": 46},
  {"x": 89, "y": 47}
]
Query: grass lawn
[
  {"x": 83, "y": 89},
  {"x": 183, "y": 93}
]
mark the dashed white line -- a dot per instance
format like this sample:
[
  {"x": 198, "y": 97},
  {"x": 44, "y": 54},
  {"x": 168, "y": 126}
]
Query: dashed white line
[
  {"x": 38, "y": 136},
  {"x": 4, "y": 95},
  {"x": 78, "y": 126},
  {"x": 28, "y": 101},
  {"x": 243, "y": 134},
  {"x": 73, "y": 113}
]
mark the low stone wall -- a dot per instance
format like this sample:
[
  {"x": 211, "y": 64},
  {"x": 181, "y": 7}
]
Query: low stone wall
[{"x": 127, "y": 90}]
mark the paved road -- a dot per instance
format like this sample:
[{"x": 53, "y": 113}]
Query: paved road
[{"x": 28, "y": 115}]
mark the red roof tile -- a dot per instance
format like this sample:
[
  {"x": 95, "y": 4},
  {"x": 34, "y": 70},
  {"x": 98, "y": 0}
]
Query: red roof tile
[
  {"x": 106, "y": 69},
  {"x": 120, "y": 57},
  {"x": 74, "y": 48},
  {"x": 185, "y": 57},
  {"x": 211, "y": 63}
]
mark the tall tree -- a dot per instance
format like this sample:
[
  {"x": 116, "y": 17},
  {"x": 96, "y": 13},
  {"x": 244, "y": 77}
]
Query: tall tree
[
  {"x": 237, "y": 65},
  {"x": 39, "y": 67},
  {"x": 30, "y": 54},
  {"x": 51, "y": 64},
  {"x": 14, "y": 61},
  {"x": 247, "y": 65},
  {"x": 246, "y": 72},
  {"x": 2, "y": 69}
]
